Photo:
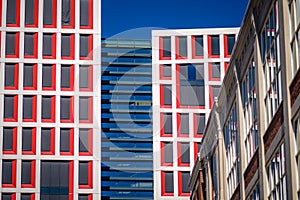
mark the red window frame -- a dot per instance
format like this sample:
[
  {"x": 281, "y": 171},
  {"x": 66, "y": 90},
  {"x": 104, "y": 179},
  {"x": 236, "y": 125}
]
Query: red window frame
[
  {"x": 17, "y": 13},
  {"x": 33, "y": 144},
  {"x": 34, "y": 106},
  {"x": 90, "y": 79},
  {"x": 72, "y": 48},
  {"x": 194, "y": 48},
  {"x": 35, "y": 46},
  {"x": 179, "y": 134},
  {"x": 226, "y": 55},
  {"x": 34, "y": 77},
  {"x": 54, "y": 15},
  {"x": 14, "y": 175},
  {"x": 71, "y": 88},
  {"x": 53, "y": 87},
  {"x": 161, "y": 49},
  {"x": 90, "y": 196},
  {"x": 32, "y": 177},
  {"x": 32, "y": 196},
  {"x": 211, "y": 96},
  {"x": 163, "y": 183},
  {"x": 16, "y": 78},
  {"x": 90, "y": 144},
  {"x": 177, "y": 46},
  {"x": 180, "y": 192},
  {"x": 179, "y": 154},
  {"x": 17, "y": 46},
  {"x": 53, "y": 56},
  {"x": 71, "y": 180},
  {"x": 91, "y": 16},
  {"x": 162, "y": 99},
  {"x": 52, "y": 144},
  {"x": 15, "y": 118},
  {"x": 71, "y": 140},
  {"x": 225, "y": 67},
  {"x": 161, "y": 72},
  {"x": 196, "y": 145},
  {"x": 90, "y": 177},
  {"x": 14, "y": 142},
  {"x": 71, "y": 120},
  {"x": 52, "y": 111},
  {"x": 209, "y": 47},
  {"x": 72, "y": 15},
  {"x": 12, "y": 195},
  {"x": 0, "y": 15},
  {"x": 162, "y": 157},
  {"x": 36, "y": 14},
  {"x": 90, "y": 111},
  {"x": 196, "y": 125},
  {"x": 90, "y": 49},
  {"x": 162, "y": 126},
  {"x": 210, "y": 78}
]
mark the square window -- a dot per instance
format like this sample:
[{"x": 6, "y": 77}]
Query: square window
[
  {"x": 66, "y": 141},
  {"x": 26, "y": 196},
  {"x": 165, "y": 48},
  {"x": 167, "y": 183},
  {"x": 48, "y": 108},
  {"x": 12, "y": 45},
  {"x": 199, "y": 124},
  {"x": 213, "y": 46},
  {"x": 8, "y": 196},
  {"x": 49, "y": 11},
  {"x": 29, "y": 108},
  {"x": 67, "y": 46},
  {"x": 30, "y": 45},
  {"x": 181, "y": 47},
  {"x": 48, "y": 141},
  {"x": 9, "y": 173},
  {"x": 86, "y": 78},
  {"x": 166, "y": 96},
  {"x": 85, "y": 109},
  {"x": 229, "y": 41},
  {"x": 166, "y": 124},
  {"x": 28, "y": 141},
  {"x": 30, "y": 77},
  {"x": 10, "y": 108},
  {"x": 9, "y": 145},
  {"x": 13, "y": 18},
  {"x": 48, "y": 77},
  {"x": 66, "y": 109},
  {"x": 214, "y": 70},
  {"x": 183, "y": 181},
  {"x": 31, "y": 13},
  {"x": 197, "y": 46},
  {"x": 166, "y": 153},
  {"x": 86, "y": 14},
  {"x": 85, "y": 175},
  {"x": 166, "y": 72},
  {"x": 86, "y": 47},
  {"x": 49, "y": 45},
  {"x": 28, "y": 174},
  {"x": 11, "y": 76},
  {"x": 183, "y": 154},
  {"x": 67, "y": 77},
  {"x": 183, "y": 124},
  {"x": 67, "y": 13},
  {"x": 85, "y": 142}
]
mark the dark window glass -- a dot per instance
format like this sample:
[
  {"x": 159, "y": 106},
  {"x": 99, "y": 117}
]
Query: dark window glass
[
  {"x": 84, "y": 108},
  {"x": 66, "y": 12},
  {"x": 169, "y": 182},
  {"x": 8, "y": 134},
  {"x": 167, "y": 123},
  {"x": 230, "y": 43},
  {"x": 11, "y": 12},
  {"x": 48, "y": 10},
  {"x": 47, "y": 44},
  {"x": 29, "y": 44},
  {"x": 46, "y": 107},
  {"x": 65, "y": 45},
  {"x": 216, "y": 71},
  {"x": 167, "y": 90},
  {"x": 84, "y": 12},
  {"x": 10, "y": 48},
  {"x": 185, "y": 153},
  {"x": 84, "y": 45},
  {"x": 83, "y": 140},
  {"x": 46, "y": 139},
  {"x": 182, "y": 46},
  {"x": 215, "y": 45},
  {"x": 26, "y": 196},
  {"x": 28, "y": 75},
  {"x": 168, "y": 152},
  {"x": 199, "y": 46},
  {"x": 166, "y": 42},
  {"x": 27, "y": 139},
  {"x": 83, "y": 173},
  {"x": 27, "y": 107},
  {"x": 184, "y": 123},
  {"x": 65, "y": 135},
  {"x": 65, "y": 81},
  {"x": 7, "y": 171},
  {"x": 47, "y": 75},
  {"x": 201, "y": 123},
  {"x": 167, "y": 70},
  {"x": 65, "y": 106},
  {"x": 9, "y": 106},
  {"x": 83, "y": 76},
  {"x": 83, "y": 197},
  {"x": 6, "y": 196},
  {"x": 192, "y": 95},
  {"x": 9, "y": 74},
  {"x": 29, "y": 12},
  {"x": 26, "y": 172},
  {"x": 185, "y": 177}
]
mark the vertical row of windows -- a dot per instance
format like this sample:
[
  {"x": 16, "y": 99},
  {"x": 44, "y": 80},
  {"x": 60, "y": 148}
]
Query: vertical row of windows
[{"x": 167, "y": 183}]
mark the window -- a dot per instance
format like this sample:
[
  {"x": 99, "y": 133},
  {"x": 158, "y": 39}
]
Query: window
[
  {"x": 28, "y": 174},
  {"x": 85, "y": 109},
  {"x": 26, "y": 196},
  {"x": 86, "y": 78},
  {"x": 166, "y": 72},
  {"x": 165, "y": 48},
  {"x": 85, "y": 197},
  {"x": 166, "y": 124},
  {"x": 67, "y": 46},
  {"x": 166, "y": 96},
  {"x": 183, "y": 154},
  {"x": 48, "y": 108},
  {"x": 11, "y": 76},
  {"x": 167, "y": 183},
  {"x": 229, "y": 41},
  {"x": 181, "y": 47},
  {"x": 30, "y": 77},
  {"x": 28, "y": 141},
  {"x": 49, "y": 45},
  {"x": 86, "y": 46},
  {"x": 213, "y": 93},
  {"x": 47, "y": 141},
  {"x": 183, "y": 183},
  {"x": 183, "y": 124},
  {"x": 214, "y": 71},
  {"x": 166, "y": 153},
  {"x": 197, "y": 147},
  {"x": 199, "y": 124},
  {"x": 31, "y": 13},
  {"x": 9, "y": 145},
  {"x": 13, "y": 18},
  {"x": 67, "y": 78},
  {"x": 48, "y": 77},
  {"x": 10, "y": 108},
  {"x": 68, "y": 13},
  {"x": 12, "y": 44},
  {"x": 29, "y": 108},
  {"x": 85, "y": 142},
  {"x": 49, "y": 11},
  {"x": 66, "y": 141},
  {"x": 85, "y": 178},
  {"x": 86, "y": 14},
  {"x": 30, "y": 45},
  {"x": 8, "y": 196},
  {"x": 197, "y": 46},
  {"x": 9, "y": 173},
  {"x": 66, "y": 109},
  {"x": 213, "y": 46}
]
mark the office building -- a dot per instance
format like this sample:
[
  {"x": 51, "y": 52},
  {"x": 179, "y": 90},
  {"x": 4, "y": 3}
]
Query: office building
[
  {"x": 251, "y": 146},
  {"x": 50, "y": 99}
]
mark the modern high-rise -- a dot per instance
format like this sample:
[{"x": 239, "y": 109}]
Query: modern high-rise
[
  {"x": 188, "y": 67},
  {"x": 126, "y": 120},
  {"x": 50, "y": 99},
  {"x": 252, "y": 140}
]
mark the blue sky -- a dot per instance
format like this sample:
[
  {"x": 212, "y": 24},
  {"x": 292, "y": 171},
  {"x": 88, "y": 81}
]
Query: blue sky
[{"x": 127, "y": 15}]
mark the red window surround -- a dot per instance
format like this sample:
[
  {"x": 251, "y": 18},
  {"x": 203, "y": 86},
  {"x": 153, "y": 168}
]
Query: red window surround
[
  {"x": 34, "y": 106},
  {"x": 90, "y": 49},
  {"x": 14, "y": 142},
  {"x": 209, "y": 47},
  {"x": 71, "y": 88},
  {"x": 34, "y": 79},
  {"x": 71, "y": 47},
  {"x": 194, "y": 49},
  {"x": 196, "y": 147},
  {"x": 177, "y": 46},
  {"x": 17, "y": 47},
  {"x": 210, "y": 72},
  {"x": 179, "y": 134},
  {"x": 196, "y": 124},
  {"x": 71, "y": 180},
  {"x": 71, "y": 145},
  {"x": 17, "y": 15},
  {"x": 180, "y": 153},
  {"x": 162, "y": 96},
  {"x": 90, "y": 111},
  {"x": 16, "y": 78},
  {"x": 35, "y": 47},
  {"x": 163, "y": 146},
  {"x": 161, "y": 50},
  {"x": 52, "y": 144},
  {"x": 54, "y": 13},
  {"x": 13, "y": 196},
  {"x": 72, "y": 15},
  {"x": 90, "y": 144},
  {"x": 163, "y": 183},
  {"x": 53, "y": 56},
  {"x": 0, "y": 15},
  {"x": 90, "y": 177},
  {"x": 161, "y": 73},
  {"x": 52, "y": 119},
  {"x": 90, "y": 16},
  {"x": 225, "y": 66},
  {"x": 32, "y": 196},
  {"x": 32, "y": 178},
  {"x": 15, "y": 117},
  {"x": 90, "y": 80},
  {"x": 71, "y": 119},
  {"x": 36, "y": 14},
  {"x": 13, "y": 176},
  {"x": 53, "y": 77},
  {"x": 180, "y": 192},
  {"x": 33, "y": 144},
  {"x": 162, "y": 126}
]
